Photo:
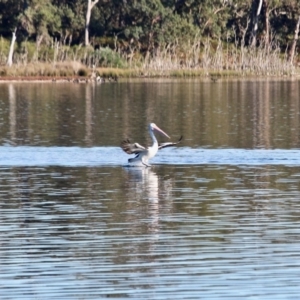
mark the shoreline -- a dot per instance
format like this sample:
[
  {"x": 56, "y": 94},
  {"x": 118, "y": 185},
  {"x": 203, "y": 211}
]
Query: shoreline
[
  {"x": 40, "y": 78},
  {"x": 87, "y": 79}
]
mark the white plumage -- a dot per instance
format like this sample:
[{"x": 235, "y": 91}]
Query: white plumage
[{"x": 143, "y": 154}]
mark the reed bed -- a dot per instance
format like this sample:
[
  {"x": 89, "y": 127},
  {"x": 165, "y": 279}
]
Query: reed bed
[
  {"x": 195, "y": 58},
  {"x": 209, "y": 60}
]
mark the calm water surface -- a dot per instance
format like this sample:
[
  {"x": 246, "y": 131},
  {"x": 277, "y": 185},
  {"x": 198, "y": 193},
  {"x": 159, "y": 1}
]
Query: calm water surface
[{"x": 216, "y": 218}]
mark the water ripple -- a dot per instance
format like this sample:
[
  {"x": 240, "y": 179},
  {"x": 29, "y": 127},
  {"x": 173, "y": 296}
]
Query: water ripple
[
  {"x": 113, "y": 156},
  {"x": 167, "y": 232}
]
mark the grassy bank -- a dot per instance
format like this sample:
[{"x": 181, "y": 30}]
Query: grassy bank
[
  {"x": 63, "y": 69},
  {"x": 47, "y": 71},
  {"x": 194, "y": 60}
]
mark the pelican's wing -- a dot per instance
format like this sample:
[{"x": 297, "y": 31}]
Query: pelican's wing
[
  {"x": 169, "y": 144},
  {"x": 131, "y": 148}
]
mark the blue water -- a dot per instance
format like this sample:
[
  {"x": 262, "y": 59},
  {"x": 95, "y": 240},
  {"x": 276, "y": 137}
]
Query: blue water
[
  {"x": 215, "y": 218},
  {"x": 114, "y": 156},
  {"x": 173, "y": 231}
]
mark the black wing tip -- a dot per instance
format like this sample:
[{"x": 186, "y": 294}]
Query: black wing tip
[
  {"x": 125, "y": 141},
  {"x": 165, "y": 145},
  {"x": 125, "y": 146}
]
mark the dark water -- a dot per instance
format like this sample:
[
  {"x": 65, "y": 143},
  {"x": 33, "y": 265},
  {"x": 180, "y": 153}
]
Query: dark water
[
  {"x": 235, "y": 114},
  {"x": 216, "y": 218}
]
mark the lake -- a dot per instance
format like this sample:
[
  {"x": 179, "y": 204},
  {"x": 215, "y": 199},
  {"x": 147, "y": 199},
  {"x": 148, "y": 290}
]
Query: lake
[{"x": 215, "y": 218}]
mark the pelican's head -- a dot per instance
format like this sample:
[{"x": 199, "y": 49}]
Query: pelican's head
[{"x": 153, "y": 127}]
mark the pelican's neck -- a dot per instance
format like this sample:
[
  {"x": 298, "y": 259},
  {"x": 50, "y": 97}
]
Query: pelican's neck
[{"x": 154, "y": 140}]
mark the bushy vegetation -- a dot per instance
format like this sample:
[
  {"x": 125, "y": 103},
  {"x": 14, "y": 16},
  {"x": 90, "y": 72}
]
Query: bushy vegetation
[{"x": 150, "y": 37}]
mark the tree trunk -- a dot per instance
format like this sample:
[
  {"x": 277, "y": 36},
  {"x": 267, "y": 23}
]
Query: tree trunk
[
  {"x": 266, "y": 23},
  {"x": 90, "y": 6},
  {"x": 258, "y": 5},
  {"x": 11, "y": 48},
  {"x": 294, "y": 43}
]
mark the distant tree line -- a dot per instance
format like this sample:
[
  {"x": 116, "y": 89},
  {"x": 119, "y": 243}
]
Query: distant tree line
[{"x": 144, "y": 25}]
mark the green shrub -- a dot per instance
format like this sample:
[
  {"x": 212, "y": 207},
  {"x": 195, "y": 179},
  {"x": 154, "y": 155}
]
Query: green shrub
[{"x": 109, "y": 58}]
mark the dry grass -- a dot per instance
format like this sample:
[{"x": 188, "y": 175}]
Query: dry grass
[
  {"x": 59, "y": 69},
  {"x": 207, "y": 60},
  {"x": 196, "y": 58},
  {"x": 116, "y": 72}
]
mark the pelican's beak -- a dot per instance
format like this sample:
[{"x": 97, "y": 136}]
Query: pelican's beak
[{"x": 159, "y": 130}]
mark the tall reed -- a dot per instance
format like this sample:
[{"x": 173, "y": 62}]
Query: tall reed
[{"x": 197, "y": 57}]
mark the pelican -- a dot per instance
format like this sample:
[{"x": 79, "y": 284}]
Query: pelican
[{"x": 144, "y": 154}]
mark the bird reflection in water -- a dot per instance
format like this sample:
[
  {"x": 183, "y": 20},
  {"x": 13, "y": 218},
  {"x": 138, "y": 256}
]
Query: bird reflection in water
[
  {"x": 152, "y": 196},
  {"x": 146, "y": 185}
]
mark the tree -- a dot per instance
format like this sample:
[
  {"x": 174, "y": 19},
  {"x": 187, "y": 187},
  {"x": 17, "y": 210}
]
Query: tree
[
  {"x": 10, "y": 12},
  {"x": 72, "y": 19},
  {"x": 294, "y": 43},
  {"x": 90, "y": 5},
  {"x": 147, "y": 25},
  {"x": 256, "y": 10},
  {"x": 41, "y": 20},
  {"x": 10, "y": 21},
  {"x": 11, "y": 48},
  {"x": 210, "y": 16}
]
